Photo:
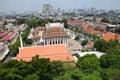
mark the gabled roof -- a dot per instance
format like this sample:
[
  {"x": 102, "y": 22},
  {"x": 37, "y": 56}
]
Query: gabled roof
[
  {"x": 75, "y": 21},
  {"x": 108, "y": 36},
  {"x": 53, "y": 52},
  {"x": 2, "y": 34},
  {"x": 9, "y": 36},
  {"x": 54, "y": 32}
]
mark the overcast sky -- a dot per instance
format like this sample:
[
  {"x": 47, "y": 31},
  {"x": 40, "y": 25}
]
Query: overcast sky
[{"x": 36, "y": 5}]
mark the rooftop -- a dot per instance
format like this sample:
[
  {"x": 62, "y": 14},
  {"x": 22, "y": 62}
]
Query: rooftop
[
  {"x": 54, "y": 32},
  {"x": 53, "y": 52},
  {"x": 109, "y": 35},
  {"x": 9, "y": 36},
  {"x": 2, "y": 34},
  {"x": 75, "y": 21}
]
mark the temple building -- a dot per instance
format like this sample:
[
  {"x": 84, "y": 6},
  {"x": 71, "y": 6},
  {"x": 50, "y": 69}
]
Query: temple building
[
  {"x": 55, "y": 34},
  {"x": 52, "y": 33}
]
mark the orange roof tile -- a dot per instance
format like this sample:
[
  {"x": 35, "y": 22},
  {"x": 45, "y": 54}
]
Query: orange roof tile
[
  {"x": 54, "y": 52},
  {"x": 54, "y": 32},
  {"x": 75, "y": 21},
  {"x": 108, "y": 36},
  {"x": 96, "y": 32}
]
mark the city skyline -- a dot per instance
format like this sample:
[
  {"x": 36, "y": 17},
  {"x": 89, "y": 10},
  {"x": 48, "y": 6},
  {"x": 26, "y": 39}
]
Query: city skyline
[{"x": 36, "y": 5}]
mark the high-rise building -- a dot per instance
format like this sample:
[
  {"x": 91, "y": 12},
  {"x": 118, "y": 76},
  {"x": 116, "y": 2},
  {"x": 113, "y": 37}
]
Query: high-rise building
[{"x": 47, "y": 9}]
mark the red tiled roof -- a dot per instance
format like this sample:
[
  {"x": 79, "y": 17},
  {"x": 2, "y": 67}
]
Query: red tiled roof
[
  {"x": 53, "y": 52},
  {"x": 96, "y": 32},
  {"x": 102, "y": 30},
  {"x": 88, "y": 28},
  {"x": 1, "y": 48},
  {"x": 89, "y": 45},
  {"x": 54, "y": 33},
  {"x": 108, "y": 36},
  {"x": 9, "y": 36},
  {"x": 2, "y": 34},
  {"x": 75, "y": 21},
  {"x": 4, "y": 21}
]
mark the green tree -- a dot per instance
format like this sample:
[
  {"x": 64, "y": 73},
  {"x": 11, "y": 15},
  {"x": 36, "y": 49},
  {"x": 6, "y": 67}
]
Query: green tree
[
  {"x": 84, "y": 42},
  {"x": 88, "y": 63},
  {"x": 32, "y": 77},
  {"x": 105, "y": 20},
  {"x": 110, "y": 60},
  {"x": 32, "y": 23},
  {"x": 117, "y": 30},
  {"x": 21, "y": 21},
  {"x": 58, "y": 68},
  {"x": 29, "y": 41},
  {"x": 110, "y": 74},
  {"x": 101, "y": 45},
  {"x": 42, "y": 22},
  {"x": 77, "y": 37},
  {"x": 65, "y": 23},
  {"x": 42, "y": 67}
]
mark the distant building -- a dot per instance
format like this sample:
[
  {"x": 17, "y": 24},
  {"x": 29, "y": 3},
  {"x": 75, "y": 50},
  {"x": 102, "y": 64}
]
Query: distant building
[
  {"x": 11, "y": 21},
  {"x": 101, "y": 24},
  {"x": 75, "y": 22},
  {"x": 47, "y": 9},
  {"x": 88, "y": 28},
  {"x": 52, "y": 52},
  {"x": 110, "y": 36}
]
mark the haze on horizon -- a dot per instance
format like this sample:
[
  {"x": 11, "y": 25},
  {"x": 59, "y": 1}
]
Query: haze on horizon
[{"x": 36, "y": 5}]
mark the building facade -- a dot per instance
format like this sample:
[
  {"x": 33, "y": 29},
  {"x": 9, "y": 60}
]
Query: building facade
[{"x": 55, "y": 34}]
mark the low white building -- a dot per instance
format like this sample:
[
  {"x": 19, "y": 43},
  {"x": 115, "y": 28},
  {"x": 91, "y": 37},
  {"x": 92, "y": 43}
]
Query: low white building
[
  {"x": 3, "y": 50},
  {"x": 98, "y": 54}
]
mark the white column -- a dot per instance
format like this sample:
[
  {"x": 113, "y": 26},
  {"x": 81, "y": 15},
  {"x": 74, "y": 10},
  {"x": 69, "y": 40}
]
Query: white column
[
  {"x": 57, "y": 39},
  {"x": 64, "y": 39},
  {"x": 47, "y": 41},
  {"x": 67, "y": 40},
  {"x": 44, "y": 41},
  {"x": 60, "y": 40},
  {"x": 52, "y": 41}
]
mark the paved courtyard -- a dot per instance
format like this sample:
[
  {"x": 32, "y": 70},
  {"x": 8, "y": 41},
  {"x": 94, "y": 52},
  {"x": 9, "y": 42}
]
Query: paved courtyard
[{"x": 74, "y": 45}]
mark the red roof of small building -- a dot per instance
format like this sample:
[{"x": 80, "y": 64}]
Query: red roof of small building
[
  {"x": 2, "y": 34},
  {"x": 9, "y": 36},
  {"x": 1, "y": 48},
  {"x": 89, "y": 45},
  {"x": 53, "y": 52},
  {"x": 108, "y": 36},
  {"x": 102, "y": 30},
  {"x": 75, "y": 21},
  {"x": 88, "y": 28}
]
